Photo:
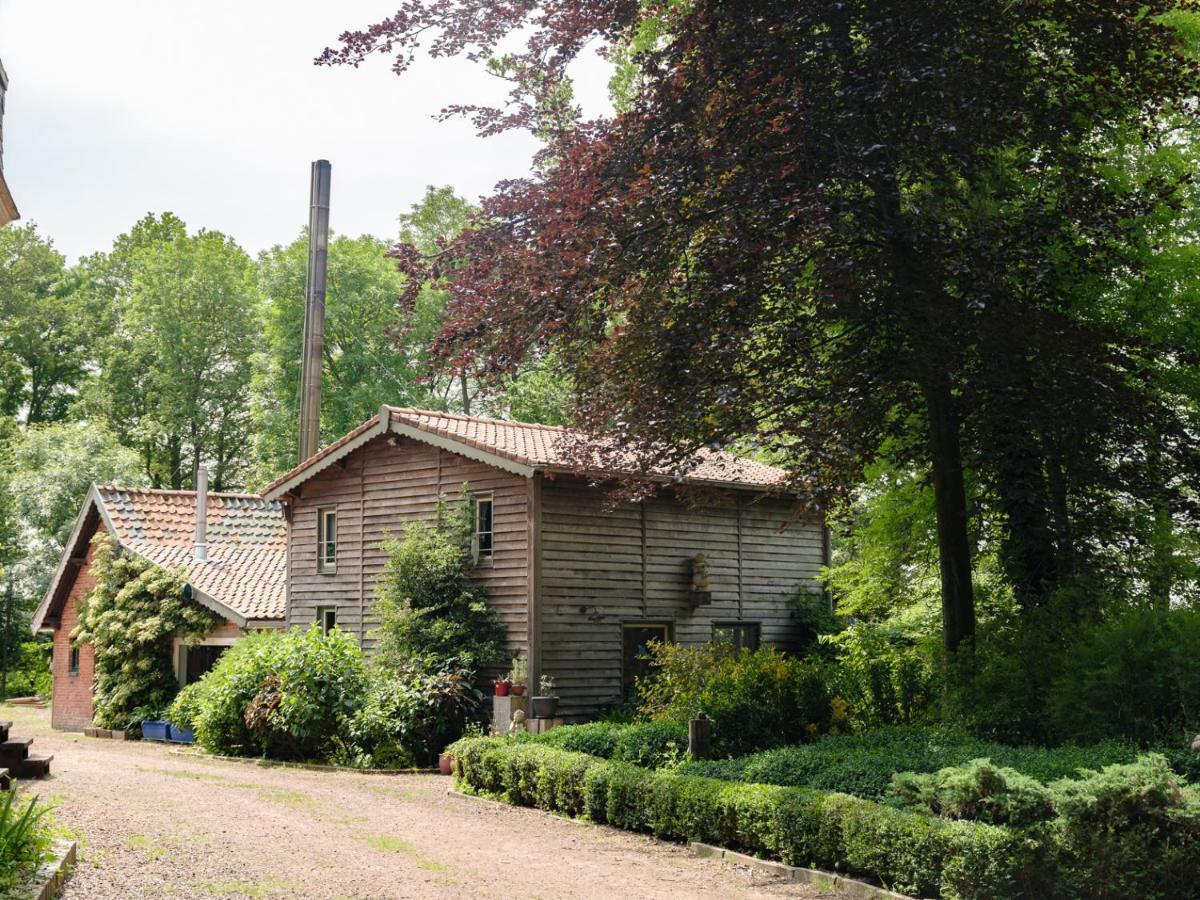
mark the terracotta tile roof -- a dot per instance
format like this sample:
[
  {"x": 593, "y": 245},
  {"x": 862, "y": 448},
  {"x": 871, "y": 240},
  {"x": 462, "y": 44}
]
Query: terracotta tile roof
[
  {"x": 548, "y": 447},
  {"x": 246, "y": 538}
]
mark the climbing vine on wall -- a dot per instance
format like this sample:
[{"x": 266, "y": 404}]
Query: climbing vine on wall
[{"x": 129, "y": 618}]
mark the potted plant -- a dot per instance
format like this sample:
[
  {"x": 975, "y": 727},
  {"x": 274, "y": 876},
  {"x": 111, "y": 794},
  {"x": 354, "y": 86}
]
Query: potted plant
[
  {"x": 152, "y": 722},
  {"x": 517, "y": 675},
  {"x": 545, "y": 702},
  {"x": 503, "y": 686}
]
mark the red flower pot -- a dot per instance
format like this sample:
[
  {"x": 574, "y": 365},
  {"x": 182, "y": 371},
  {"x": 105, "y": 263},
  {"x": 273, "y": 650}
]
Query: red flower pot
[
  {"x": 445, "y": 763},
  {"x": 518, "y": 690},
  {"x": 502, "y": 687}
]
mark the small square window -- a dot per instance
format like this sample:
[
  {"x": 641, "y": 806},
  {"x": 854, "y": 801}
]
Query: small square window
[
  {"x": 743, "y": 635},
  {"x": 327, "y": 617},
  {"x": 327, "y": 539},
  {"x": 482, "y": 542},
  {"x": 73, "y": 661}
]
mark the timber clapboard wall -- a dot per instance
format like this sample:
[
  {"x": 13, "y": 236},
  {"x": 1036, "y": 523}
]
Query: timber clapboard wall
[{"x": 569, "y": 571}]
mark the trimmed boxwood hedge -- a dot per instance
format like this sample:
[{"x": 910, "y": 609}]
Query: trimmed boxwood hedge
[{"x": 906, "y": 851}]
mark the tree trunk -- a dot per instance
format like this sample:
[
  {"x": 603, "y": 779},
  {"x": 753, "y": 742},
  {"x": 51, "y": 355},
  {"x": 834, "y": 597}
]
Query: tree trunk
[{"x": 950, "y": 502}]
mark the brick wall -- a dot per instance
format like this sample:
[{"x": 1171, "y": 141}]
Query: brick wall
[{"x": 72, "y": 701}]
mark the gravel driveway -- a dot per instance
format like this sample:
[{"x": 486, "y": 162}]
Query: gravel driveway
[{"x": 155, "y": 823}]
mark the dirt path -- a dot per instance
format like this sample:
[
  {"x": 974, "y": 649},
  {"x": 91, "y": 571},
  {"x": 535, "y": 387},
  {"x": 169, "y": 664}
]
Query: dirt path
[{"x": 153, "y": 823}]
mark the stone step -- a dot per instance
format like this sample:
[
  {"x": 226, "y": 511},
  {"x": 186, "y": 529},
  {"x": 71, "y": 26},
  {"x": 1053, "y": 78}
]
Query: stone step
[
  {"x": 5, "y": 780},
  {"x": 34, "y": 767},
  {"x": 4, "y": 728},
  {"x": 14, "y": 750}
]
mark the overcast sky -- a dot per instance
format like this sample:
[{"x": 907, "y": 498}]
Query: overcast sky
[{"x": 214, "y": 111}]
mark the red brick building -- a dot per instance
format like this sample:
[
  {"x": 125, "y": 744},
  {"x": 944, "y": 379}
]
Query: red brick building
[{"x": 234, "y": 564}]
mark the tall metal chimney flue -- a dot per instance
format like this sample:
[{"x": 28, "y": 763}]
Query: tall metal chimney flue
[
  {"x": 314, "y": 310},
  {"x": 201, "y": 553}
]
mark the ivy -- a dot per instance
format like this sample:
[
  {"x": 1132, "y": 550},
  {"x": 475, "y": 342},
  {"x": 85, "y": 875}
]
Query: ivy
[{"x": 129, "y": 619}]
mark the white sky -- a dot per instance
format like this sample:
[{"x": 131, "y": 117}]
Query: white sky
[{"x": 214, "y": 111}]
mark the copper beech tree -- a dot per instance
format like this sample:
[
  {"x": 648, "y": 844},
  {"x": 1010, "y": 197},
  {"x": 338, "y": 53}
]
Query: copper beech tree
[{"x": 829, "y": 230}]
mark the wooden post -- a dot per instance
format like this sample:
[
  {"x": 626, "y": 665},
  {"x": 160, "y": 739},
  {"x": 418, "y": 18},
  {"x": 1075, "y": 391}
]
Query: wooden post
[
  {"x": 314, "y": 310},
  {"x": 699, "y": 737}
]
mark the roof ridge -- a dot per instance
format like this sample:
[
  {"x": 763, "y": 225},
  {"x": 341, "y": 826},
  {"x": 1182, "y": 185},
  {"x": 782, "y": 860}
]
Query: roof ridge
[
  {"x": 180, "y": 491},
  {"x": 462, "y": 417}
]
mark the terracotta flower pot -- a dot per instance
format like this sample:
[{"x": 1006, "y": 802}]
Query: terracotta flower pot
[
  {"x": 518, "y": 690},
  {"x": 545, "y": 707},
  {"x": 502, "y": 688},
  {"x": 445, "y": 763}
]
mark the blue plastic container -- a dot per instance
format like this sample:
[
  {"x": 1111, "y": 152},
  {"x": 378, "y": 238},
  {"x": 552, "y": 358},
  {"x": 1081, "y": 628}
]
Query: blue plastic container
[
  {"x": 180, "y": 735},
  {"x": 154, "y": 731}
]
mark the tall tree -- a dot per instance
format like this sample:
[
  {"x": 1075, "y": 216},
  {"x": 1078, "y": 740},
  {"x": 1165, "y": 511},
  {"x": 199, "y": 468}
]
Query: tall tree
[
  {"x": 174, "y": 378},
  {"x": 47, "y": 326},
  {"x": 828, "y": 227}
]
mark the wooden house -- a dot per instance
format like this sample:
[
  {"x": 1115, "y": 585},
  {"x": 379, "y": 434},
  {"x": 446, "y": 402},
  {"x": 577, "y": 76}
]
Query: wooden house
[{"x": 581, "y": 587}]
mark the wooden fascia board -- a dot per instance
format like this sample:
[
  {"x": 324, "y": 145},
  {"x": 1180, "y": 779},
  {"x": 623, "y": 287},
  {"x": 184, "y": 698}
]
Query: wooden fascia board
[
  {"x": 8, "y": 207},
  {"x": 599, "y": 475},
  {"x": 70, "y": 552},
  {"x": 321, "y": 465},
  {"x": 208, "y": 600}
]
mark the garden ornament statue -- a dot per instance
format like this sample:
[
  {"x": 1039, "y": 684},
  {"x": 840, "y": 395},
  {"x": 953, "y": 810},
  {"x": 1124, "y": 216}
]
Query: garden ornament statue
[
  {"x": 1196, "y": 743},
  {"x": 518, "y": 722},
  {"x": 700, "y": 592}
]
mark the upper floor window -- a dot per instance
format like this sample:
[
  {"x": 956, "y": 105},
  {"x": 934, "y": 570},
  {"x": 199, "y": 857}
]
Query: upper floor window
[
  {"x": 743, "y": 635},
  {"x": 481, "y": 543},
  {"x": 327, "y": 539}
]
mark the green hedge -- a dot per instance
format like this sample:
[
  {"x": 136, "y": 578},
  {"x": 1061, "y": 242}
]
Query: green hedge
[
  {"x": 908, "y": 852},
  {"x": 651, "y": 744},
  {"x": 862, "y": 764}
]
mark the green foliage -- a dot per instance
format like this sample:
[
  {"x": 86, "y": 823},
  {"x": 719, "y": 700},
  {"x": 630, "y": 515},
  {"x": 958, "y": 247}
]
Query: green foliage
[
  {"x": 129, "y": 618},
  {"x": 430, "y": 612},
  {"x": 185, "y": 709},
  {"x": 24, "y": 839},
  {"x": 407, "y": 717},
  {"x": 282, "y": 694},
  {"x": 883, "y": 673},
  {"x": 909, "y": 852},
  {"x": 593, "y": 738},
  {"x": 29, "y": 673},
  {"x": 755, "y": 698},
  {"x": 862, "y": 764},
  {"x": 1134, "y": 676},
  {"x": 651, "y": 744},
  {"x": 980, "y": 791},
  {"x": 1129, "y": 830},
  {"x": 174, "y": 370}
]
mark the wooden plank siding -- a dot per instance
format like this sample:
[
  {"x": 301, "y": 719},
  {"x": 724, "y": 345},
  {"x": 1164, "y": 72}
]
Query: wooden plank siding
[
  {"x": 604, "y": 568},
  {"x": 381, "y": 487}
]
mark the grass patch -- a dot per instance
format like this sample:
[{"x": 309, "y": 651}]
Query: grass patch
[
  {"x": 244, "y": 888},
  {"x": 147, "y": 846},
  {"x": 386, "y": 843}
]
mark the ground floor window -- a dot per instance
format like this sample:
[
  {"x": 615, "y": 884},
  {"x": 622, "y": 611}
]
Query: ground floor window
[
  {"x": 73, "y": 661},
  {"x": 743, "y": 635},
  {"x": 327, "y": 618},
  {"x": 635, "y": 662}
]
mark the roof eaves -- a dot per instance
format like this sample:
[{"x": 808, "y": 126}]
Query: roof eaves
[
  {"x": 464, "y": 447},
  {"x": 367, "y": 431},
  {"x": 93, "y": 499}
]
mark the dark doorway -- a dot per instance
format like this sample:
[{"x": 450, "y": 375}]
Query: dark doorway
[
  {"x": 634, "y": 661},
  {"x": 199, "y": 659}
]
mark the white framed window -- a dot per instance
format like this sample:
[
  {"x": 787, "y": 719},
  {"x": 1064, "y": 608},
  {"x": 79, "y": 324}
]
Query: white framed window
[
  {"x": 482, "y": 540},
  {"x": 327, "y": 539},
  {"x": 327, "y": 618}
]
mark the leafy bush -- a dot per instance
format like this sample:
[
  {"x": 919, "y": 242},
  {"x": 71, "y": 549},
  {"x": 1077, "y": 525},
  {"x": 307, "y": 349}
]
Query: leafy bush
[
  {"x": 979, "y": 791},
  {"x": 24, "y": 839},
  {"x": 592, "y": 738},
  {"x": 29, "y": 672},
  {"x": 430, "y": 612},
  {"x": 909, "y": 852},
  {"x": 407, "y": 717},
  {"x": 282, "y": 694},
  {"x": 651, "y": 744},
  {"x": 1134, "y": 676},
  {"x": 883, "y": 673},
  {"x": 129, "y": 619},
  {"x": 1130, "y": 830},
  {"x": 755, "y": 698},
  {"x": 863, "y": 764},
  {"x": 185, "y": 709}
]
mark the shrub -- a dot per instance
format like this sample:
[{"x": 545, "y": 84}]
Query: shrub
[
  {"x": 651, "y": 744},
  {"x": 862, "y": 764},
  {"x": 592, "y": 738},
  {"x": 407, "y": 717},
  {"x": 883, "y": 674},
  {"x": 129, "y": 619},
  {"x": 1129, "y": 830},
  {"x": 979, "y": 791},
  {"x": 185, "y": 709},
  {"x": 430, "y": 612},
  {"x": 282, "y": 694},
  {"x": 755, "y": 698},
  {"x": 1134, "y": 676},
  {"x": 912, "y": 853}
]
